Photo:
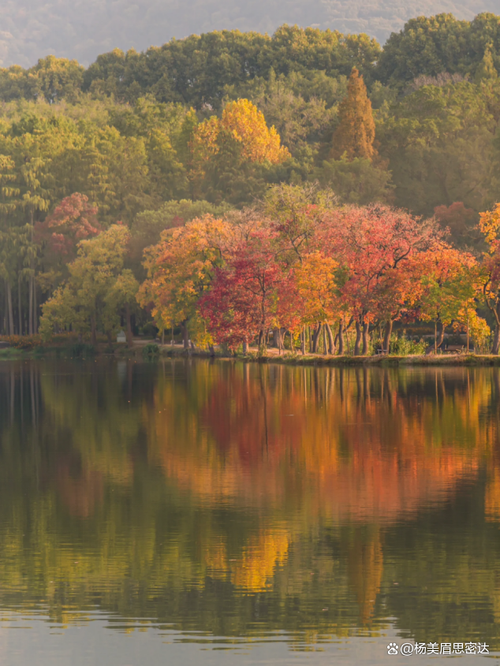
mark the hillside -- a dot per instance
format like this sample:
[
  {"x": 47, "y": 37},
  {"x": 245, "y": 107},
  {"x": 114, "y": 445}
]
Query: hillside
[{"x": 32, "y": 29}]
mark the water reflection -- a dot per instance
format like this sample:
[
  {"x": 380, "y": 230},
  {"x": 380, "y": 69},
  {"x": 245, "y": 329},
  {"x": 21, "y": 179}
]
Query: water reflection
[{"x": 242, "y": 500}]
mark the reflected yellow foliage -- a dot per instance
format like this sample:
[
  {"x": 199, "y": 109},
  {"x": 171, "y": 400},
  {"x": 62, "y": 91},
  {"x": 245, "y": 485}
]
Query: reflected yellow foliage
[
  {"x": 254, "y": 569},
  {"x": 365, "y": 568},
  {"x": 492, "y": 496}
]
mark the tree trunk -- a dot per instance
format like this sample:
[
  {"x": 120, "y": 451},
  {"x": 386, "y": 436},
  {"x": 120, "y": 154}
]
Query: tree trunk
[
  {"x": 303, "y": 341},
  {"x": 35, "y": 308},
  {"x": 185, "y": 335},
  {"x": 387, "y": 336},
  {"x": 315, "y": 339},
  {"x": 109, "y": 335},
  {"x": 33, "y": 304},
  {"x": 245, "y": 347},
  {"x": 440, "y": 334},
  {"x": 30, "y": 306},
  {"x": 93, "y": 330},
  {"x": 365, "y": 329},
  {"x": 325, "y": 350},
  {"x": 331, "y": 343},
  {"x": 358, "y": 338},
  {"x": 19, "y": 308},
  {"x": 496, "y": 337},
  {"x": 10, "y": 313},
  {"x": 130, "y": 339},
  {"x": 341, "y": 338},
  {"x": 496, "y": 340},
  {"x": 276, "y": 338}
]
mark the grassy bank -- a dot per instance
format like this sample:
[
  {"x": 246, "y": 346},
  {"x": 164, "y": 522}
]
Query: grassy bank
[
  {"x": 379, "y": 361},
  {"x": 153, "y": 351},
  {"x": 347, "y": 361}
]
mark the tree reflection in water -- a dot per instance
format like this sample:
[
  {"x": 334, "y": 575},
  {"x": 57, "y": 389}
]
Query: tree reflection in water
[{"x": 242, "y": 499}]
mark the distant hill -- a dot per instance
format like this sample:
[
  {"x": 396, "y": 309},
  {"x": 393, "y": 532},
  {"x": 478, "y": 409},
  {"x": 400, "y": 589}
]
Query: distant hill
[{"x": 32, "y": 29}]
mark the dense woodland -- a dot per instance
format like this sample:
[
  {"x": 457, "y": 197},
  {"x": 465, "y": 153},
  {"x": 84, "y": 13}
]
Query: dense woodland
[{"x": 235, "y": 184}]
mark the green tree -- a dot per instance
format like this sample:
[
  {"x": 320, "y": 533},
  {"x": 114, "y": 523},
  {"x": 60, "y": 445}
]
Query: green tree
[
  {"x": 439, "y": 141},
  {"x": 97, "y": 289},
  {"x": 357, "y": 181}
]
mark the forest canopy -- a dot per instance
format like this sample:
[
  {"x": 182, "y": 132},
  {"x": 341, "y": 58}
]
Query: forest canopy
[
  {"x": 34, "y": 28},
  {"x": 290, "y": 137}
]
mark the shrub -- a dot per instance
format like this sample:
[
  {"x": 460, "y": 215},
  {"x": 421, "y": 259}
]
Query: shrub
[
  {"x": 22, "y": 341},
  {"x": 404, "y": 346},
  {"x": 150, "y": 351},
  {"x": 81, "y": 350}
]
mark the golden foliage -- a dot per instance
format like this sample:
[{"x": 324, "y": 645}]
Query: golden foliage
[
  {"x": 243, "y": 122},
  {"x": 489, "y": 224}
]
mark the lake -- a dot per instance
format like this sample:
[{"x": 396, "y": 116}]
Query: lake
[{"x": 192, "y": 512}]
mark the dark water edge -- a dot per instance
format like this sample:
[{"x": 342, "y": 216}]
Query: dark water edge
[{"x": 273, "y": 514}]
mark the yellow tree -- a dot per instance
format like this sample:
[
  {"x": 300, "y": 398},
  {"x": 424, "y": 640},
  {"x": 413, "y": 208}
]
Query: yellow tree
[
  {"x": 355, "y": 133},
  {"x": 242, "y": 122},
  {"x": 317, "y": 287}
]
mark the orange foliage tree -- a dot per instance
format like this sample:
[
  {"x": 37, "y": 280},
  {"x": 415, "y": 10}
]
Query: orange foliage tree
[
  {"x": 180, "y": 269},
  {"x": 489, "y": 225},
  {"x": 355, "y": 133}
]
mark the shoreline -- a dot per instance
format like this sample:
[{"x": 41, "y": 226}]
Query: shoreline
[
  {"x": 380, "y": 361},
  {"x": 169, "y": 351}
]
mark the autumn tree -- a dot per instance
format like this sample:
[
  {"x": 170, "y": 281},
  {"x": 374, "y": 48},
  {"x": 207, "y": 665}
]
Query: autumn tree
[
  {"x": 73, "y": 220},
  {"x": 374, "y": 245},
  {"x": 355, "y": 133},
  {"x": 243, "y": 122},
  {"x": 318, "y": 290},
  {"x": 489, "y": 225},
  {"x": 180, "y": 268},
  {"x": 295, "y": 213},
  {"x": 250, "y": 293},
  {"x": 148, "y": 225},
  {"x": 232, "y": 154},
  {"x": 448, "y": 289}
]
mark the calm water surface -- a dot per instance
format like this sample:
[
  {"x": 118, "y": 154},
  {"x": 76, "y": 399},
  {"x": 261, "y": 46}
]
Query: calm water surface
[{"x": 193, "y": 513}]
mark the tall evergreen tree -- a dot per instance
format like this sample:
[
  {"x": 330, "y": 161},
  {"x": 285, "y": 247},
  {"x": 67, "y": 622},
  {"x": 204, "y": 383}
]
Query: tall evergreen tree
[{"x": 355, "y": 134}]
